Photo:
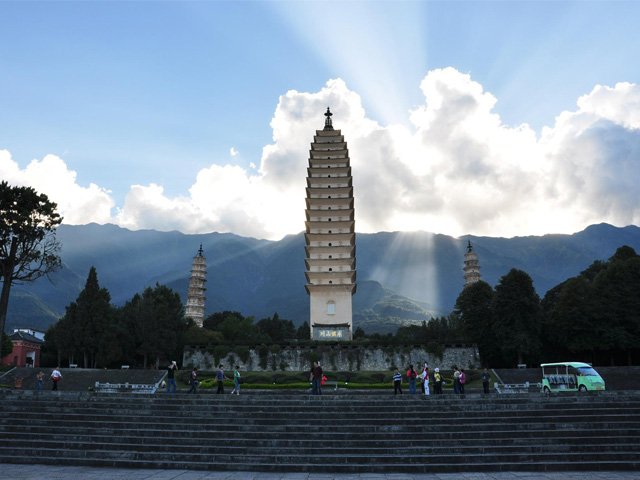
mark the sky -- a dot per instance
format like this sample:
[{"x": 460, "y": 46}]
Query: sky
[{"x": 486, "y": 118}]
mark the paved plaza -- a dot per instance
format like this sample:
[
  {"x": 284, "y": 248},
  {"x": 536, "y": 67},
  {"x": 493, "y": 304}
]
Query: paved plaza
[{"x": 39, "y": 472}]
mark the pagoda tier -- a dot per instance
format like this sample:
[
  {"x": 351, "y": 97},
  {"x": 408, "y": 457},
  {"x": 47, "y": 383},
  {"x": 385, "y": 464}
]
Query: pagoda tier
[
  {"x": 471, "y": 267},
  {"x": 195, "y": 306},
  {"x": 330, "y": 235}
]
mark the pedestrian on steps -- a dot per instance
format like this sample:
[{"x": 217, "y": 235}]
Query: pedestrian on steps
[
  {"x": 56, "y": 376},
  {"x": 412, "y": 375},
  {"x": 40, "y": 378},
  {"x": 397, "y": 382},
  {"x": 171, "y": 377},
  {"x": 456, "y": 380},
  {"x": 236, "y": 380},
  {"x": 220, "y": 376},
  {"x": 193, "y": 380},
  {"x": 425, "y": 378},
  {"x": 316, "y": 379},
  {"x": 437, "y": 382},
  {"x": 486, "y": 378}
]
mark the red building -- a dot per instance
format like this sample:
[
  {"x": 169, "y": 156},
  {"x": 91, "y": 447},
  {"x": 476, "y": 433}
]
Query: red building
[{"x": 26, "y": 348}]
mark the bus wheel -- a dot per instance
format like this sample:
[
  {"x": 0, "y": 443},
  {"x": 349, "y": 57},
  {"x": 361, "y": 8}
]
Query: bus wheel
[
  {"x": 583, "y": 388},
  {"x": 546, "y": 389}
]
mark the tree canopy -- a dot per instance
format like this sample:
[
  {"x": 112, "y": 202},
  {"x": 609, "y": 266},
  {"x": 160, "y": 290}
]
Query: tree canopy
[{"x": 28, "y": 247}]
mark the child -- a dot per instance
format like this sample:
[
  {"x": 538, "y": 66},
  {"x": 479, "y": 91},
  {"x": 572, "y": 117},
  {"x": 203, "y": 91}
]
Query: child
[{"x": 397, "y": 382}]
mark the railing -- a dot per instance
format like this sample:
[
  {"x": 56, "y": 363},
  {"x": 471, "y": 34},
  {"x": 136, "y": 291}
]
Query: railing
[
  {"x": 124, "y": 387},
  {"x": 512, "y": 387}
]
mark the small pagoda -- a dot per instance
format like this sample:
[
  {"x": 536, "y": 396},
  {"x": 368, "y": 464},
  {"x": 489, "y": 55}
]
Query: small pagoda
[
  {"x": 195, "y": 297},
  {"x": 471, "y": 267},
  {"x": 330, "y": 236}
]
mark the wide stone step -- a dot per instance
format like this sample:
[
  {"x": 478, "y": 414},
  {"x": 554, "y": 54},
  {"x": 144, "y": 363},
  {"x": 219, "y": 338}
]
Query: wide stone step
[
  {"x": 161, "y": 437},
  {"x": 251, "y": 411},
  {"x": 313, "y": 467},
  {"x": 178, "y": 434},
  {"x": 341, "y": 433},
  {"x": 268, "y": 417},
  {"x": 298, "y": 425},
  {"x": 222, "y": 448},
  {"x": 339, "y": 462}
]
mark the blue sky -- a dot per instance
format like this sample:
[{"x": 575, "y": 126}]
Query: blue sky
[{"x": 158, "y": 93}]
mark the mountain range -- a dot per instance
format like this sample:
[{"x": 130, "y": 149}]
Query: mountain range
[{"x": 403, "y": 277}]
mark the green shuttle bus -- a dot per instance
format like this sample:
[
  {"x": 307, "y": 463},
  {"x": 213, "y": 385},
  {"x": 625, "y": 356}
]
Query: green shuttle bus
[{"x": 570, "y": 377}]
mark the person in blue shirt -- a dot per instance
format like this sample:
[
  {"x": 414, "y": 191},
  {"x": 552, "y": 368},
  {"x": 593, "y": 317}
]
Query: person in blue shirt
[{"x": 220, "y": 376}]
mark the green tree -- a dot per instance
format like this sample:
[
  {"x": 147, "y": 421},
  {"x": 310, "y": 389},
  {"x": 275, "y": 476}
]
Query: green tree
[
  {"x": 159, "y": 322},
  {"x": 357, "y": 335},
  {"x": 571, "y": 322},
  {"x": 64, "y": 336},
  {"x": 244, "y": 330},
  {"x": 277, "y": 329},
  {"x": 304, "y": 332},
  {"x": 7, "y": 345},
  {"x": 196, "y": 335},
  {"x": 517, "y": 317},
  {"x": 93, "y": 318},
  {"x": 213, "y": 321},
  {"x": 474, "y": 308},
  {"x": 28, "y": 247},
  {"x": 619, "y": 303}
]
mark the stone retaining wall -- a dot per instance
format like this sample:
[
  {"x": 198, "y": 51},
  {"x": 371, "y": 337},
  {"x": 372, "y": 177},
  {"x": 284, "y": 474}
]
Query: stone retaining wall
[{"x": 341, "y": 357}]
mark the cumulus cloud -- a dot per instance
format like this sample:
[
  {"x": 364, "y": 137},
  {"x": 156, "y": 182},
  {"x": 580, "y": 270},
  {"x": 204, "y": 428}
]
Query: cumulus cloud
[
  {"x": 51, "y": 176},
  {"x": 457, "y": 169}
]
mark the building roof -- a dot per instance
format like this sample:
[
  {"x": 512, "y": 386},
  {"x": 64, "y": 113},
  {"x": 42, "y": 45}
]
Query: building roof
[{"x": 25, "y": 337}]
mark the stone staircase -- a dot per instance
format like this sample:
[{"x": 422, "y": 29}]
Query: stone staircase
[{"x": 348, "y": 432}]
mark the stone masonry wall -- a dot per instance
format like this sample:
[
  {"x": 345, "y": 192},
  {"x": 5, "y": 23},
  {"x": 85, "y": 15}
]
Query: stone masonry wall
[{"x": 332, "y": 357}]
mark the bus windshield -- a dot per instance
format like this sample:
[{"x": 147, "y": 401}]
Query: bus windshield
[{"x": 588, "y": 372}]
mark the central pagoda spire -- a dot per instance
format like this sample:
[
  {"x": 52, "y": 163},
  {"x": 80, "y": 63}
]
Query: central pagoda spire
[
  {"x": 327, "y": 123},
  {"x": 330, "y": 236}
]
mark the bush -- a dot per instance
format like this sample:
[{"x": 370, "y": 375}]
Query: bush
[
  {"x": 263, "y": 354},
  {"x": 242, "y": 353}
]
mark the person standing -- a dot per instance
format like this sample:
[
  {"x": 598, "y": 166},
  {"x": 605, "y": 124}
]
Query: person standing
[
  {"x": 486, "y": 378},
  {"x": 193, "y": 380},
  {"x": 316, "y": 379},
  {"x": 456, "y": 380},
  {"x": 56, "y": 376},
  {"x": 425, "y": 378},
  {"x": 171, "y": 377},
  {"x": 463, "y": 380},
  {"x": 437, "y": 382},
  {"x": 236, "y": 380},
  {"x": 412, "y": 376},
  {"x": 220, "y": 376},
  {"x": 39, "y": 378},
  {"x": 397, "y": 382}
]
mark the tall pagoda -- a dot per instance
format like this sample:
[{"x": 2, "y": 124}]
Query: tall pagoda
[
  {"x": 330, "y": 236},
  {"x": 195, "y": 296},
  {"x": 471, "y": 267}
]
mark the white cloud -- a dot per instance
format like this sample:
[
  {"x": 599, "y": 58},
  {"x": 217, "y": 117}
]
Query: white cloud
[
  {"x": 51, "y": 176},
  {"x": 457, "y": 170}
]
